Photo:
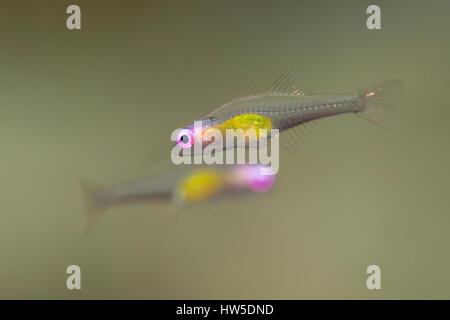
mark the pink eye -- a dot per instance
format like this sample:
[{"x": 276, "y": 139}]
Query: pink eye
[{"x": 185, "y": 138}]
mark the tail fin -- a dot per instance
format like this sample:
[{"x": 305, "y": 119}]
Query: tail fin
[
  {"x": 381, "y": 102},
  {"x": 94, "y": 207}
]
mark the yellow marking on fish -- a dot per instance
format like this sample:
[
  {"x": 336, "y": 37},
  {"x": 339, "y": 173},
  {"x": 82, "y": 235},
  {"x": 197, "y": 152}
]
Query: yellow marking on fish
[
  {"x": 200, "y": 185},
  {"x": 245, "y": 122}
]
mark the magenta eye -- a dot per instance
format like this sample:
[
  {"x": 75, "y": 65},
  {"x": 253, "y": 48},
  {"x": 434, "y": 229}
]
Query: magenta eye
[{"x": 185, "y": 138}]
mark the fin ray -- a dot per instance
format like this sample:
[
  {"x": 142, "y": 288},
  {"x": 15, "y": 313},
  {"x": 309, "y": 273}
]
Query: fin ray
[
  {"x": 296, "y": 136},
  {"x": 247, "y": 86},
  {"x": 287, "y": 83},
  {"x": 381, "y": 102}
]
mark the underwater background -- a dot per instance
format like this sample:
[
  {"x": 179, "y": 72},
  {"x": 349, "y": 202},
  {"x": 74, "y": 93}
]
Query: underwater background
[{"x": 100, "y": 104}]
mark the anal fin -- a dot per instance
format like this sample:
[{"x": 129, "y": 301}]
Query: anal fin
[{"x": 295, "y": 137}]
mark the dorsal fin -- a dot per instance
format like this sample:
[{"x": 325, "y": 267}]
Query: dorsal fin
[
  {"x": 286, "y": 83},
  {"x": 246, "y": 87}
]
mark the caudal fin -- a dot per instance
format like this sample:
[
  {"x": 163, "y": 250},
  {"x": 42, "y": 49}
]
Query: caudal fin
[
  {"x": 93, "y": 206},
  {"x": 381, "y": 102}
]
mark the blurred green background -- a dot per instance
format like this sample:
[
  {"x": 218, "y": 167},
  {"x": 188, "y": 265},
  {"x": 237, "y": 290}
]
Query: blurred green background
[{"x": 100, "y": 103}]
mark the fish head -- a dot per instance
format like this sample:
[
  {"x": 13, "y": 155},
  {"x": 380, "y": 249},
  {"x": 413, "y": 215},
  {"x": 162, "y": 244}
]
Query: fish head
[{"x": 195, "y": 134}]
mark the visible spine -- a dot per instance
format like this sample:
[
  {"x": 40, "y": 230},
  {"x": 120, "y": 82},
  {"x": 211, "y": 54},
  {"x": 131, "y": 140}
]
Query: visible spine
[{"x": 316, "y": 108}]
